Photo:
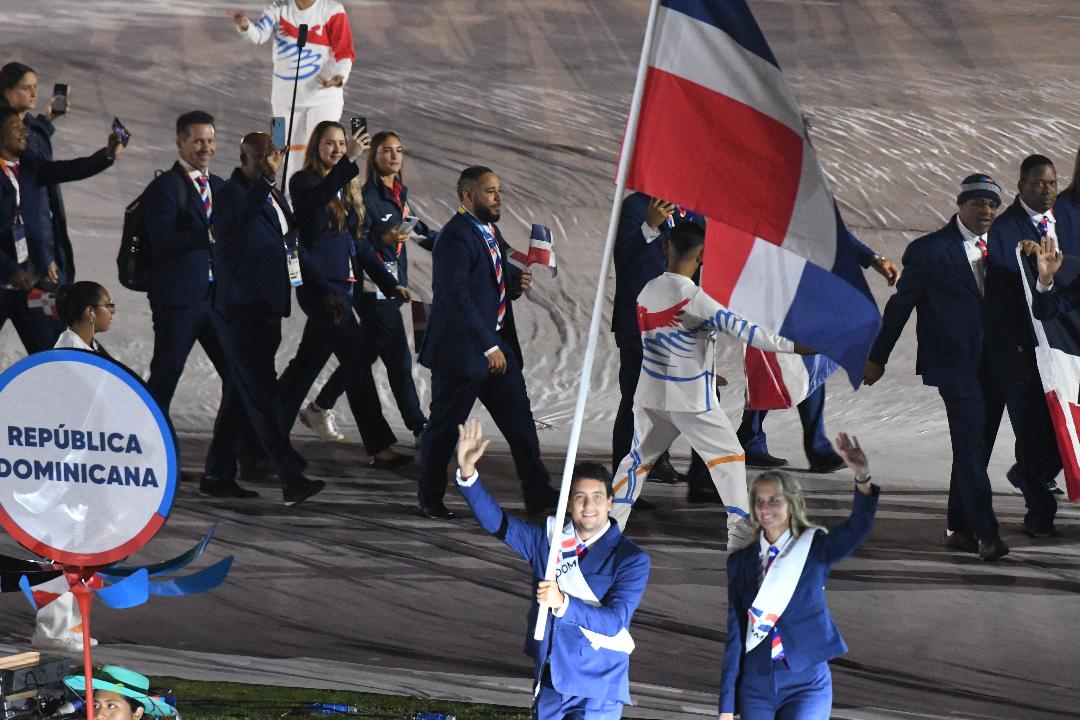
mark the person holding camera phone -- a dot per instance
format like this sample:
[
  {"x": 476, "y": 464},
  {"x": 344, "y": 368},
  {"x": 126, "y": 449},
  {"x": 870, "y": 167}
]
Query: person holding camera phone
[
  {"x": 44, "y": 213},
  {"x": 329, "y": 216},
  {"x": 321, "y": 68},
  {"x": 388, "y": 225},
  {"x": 256, "y": 265},
  {"x": 25, "y": 258}
]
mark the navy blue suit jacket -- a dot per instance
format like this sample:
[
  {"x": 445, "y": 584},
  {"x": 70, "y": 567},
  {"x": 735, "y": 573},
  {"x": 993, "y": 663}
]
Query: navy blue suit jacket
[
  {"x": 616, "y": 571},
  {"x": 250, "y": 263},
  {"x": 1060, "y": 300},
  {"x": 179, "y": 239},
  {"x": 938, "y": 282},
  {"x": 36, "y": 173},
  {"x": 1008, "y": 327},
  {"x": 53, "y": 217},
  {"x": 465, "y": 301},
  {"x": 325, "y": 250},
  {"x": 382, "y": 214},
  {"x": 807, "y": 630}
]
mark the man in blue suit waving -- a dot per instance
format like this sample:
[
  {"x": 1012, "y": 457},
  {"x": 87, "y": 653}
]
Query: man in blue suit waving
[
  {"x": 472, "y": 347},
  {"x": 944, "y": 279},
  {"x": 582, "y": 664}
]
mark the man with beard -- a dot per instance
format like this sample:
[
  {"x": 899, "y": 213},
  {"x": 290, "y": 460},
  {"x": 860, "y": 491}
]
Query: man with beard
[{"x": 472, "y": 348}]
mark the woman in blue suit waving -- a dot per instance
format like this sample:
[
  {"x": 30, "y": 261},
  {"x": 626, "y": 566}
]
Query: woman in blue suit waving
[
  {"x": 329, "y": 214},
  {"x": 780, "y": 634}
]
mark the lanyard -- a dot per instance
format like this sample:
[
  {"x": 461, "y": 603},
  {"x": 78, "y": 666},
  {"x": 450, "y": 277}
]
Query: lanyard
[{"x": 13, "y": 177}]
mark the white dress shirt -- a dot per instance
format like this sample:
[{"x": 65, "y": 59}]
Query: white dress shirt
[
  {"x": 1051, "y": 231},
  {"x": 974, "y": 254}
]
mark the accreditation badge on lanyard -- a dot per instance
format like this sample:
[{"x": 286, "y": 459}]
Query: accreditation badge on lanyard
[
  {"x": 292, "y": 259},
  {"x": 18, "y": 230}
]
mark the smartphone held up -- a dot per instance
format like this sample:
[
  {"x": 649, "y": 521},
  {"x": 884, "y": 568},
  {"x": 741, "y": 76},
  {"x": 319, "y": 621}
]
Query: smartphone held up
[
  {"x": 59, "y": 103},
  {"x": 122, "y": 134}
]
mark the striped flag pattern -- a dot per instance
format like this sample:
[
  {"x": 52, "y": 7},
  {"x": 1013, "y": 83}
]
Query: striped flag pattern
[{"x": 721, "y": 132}]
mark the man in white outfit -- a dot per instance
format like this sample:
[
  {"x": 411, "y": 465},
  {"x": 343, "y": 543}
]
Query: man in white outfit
[
  {"x": 676, "y": 392},
  {"x": 324, "y": 63}
]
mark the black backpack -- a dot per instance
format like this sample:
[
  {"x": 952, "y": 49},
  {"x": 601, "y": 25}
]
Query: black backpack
[{"x": 133, "y": 260}]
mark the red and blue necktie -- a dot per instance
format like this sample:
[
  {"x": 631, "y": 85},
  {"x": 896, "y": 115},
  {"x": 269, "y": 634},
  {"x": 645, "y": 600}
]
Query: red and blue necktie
[
  {"x": 1044, "y": 226},
  {"x": 981, "y": 244},
  {"x": 496, "y": 257},
  {"x": 204, "y": 192},
  {"x": 777, "y": 646}
]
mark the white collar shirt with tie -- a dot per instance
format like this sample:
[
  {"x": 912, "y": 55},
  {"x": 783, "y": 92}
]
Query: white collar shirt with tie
[
  {"x": 1037, "y": 217},
  {"x": 764, "y": 546},
  {"x": 974, "y": 254},
  {"x": 194, "y": 173}
]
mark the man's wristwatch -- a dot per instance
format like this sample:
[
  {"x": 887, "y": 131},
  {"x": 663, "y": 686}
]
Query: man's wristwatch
[{"x": 862, "y": 482}]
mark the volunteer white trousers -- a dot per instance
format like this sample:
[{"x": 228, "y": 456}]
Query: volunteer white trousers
[{"x": 710, "y": 435}]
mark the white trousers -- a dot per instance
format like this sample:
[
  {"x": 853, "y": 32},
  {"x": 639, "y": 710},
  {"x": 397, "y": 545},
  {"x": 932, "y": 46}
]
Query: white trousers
[
  {"x": 304, "y": 123},
  {"x": 711, "y": 435}
]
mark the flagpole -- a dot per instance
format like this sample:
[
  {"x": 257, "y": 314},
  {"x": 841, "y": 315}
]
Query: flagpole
[{"x": 597, "y": 311}]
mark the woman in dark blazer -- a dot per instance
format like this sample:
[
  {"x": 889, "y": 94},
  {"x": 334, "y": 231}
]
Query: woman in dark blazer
[
  {"x": 386, "y": 204},
  {"x": 782, "y": 671},
  {"x": 329, "y": 214}
]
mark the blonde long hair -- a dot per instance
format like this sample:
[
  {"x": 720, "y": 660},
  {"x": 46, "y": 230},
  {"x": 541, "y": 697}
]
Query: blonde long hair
[
  {"x": 791, "y": 490},
  {"x": 353, "y": 197}
]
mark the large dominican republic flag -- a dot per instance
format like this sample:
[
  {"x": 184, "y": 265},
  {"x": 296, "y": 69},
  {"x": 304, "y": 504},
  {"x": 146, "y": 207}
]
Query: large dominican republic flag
[
  {"x": 1058, "y": 358},
  {"x": 720, "y": 132}
]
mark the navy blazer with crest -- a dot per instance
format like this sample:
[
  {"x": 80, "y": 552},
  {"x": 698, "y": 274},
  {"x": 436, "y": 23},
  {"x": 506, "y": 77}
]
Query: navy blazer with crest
[
  {"x": 382, "y": 214},
  {"x": 464, "y": 304},
  {"x": 616, "y": 571},
  {"x": 179, "y": 239},
  {"x": 806, "y": 628},
  {"x": 939, "y": 283},
  {"x": 250, "y": 262}
]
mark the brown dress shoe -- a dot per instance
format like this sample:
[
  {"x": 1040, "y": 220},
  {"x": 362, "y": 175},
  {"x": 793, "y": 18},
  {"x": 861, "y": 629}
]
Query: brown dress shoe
[
  {"x": 960, "y": 542},
  {"x": 992, "y": 547}
]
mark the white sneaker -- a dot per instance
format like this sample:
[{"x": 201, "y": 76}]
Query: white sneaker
[
  {"x": 740, "y": 533},
  {"x": 71, "y": 642},
  {"x": 321, "y": 422}
]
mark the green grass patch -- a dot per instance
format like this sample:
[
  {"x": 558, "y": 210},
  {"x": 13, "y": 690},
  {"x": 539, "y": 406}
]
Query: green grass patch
[{"x": 223, "y": 700}]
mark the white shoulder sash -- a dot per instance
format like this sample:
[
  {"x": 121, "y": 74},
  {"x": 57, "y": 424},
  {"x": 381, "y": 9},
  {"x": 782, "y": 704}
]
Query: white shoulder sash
[
  {"x": 777, "y": 588},
  {"x": 572, "y": 582}
]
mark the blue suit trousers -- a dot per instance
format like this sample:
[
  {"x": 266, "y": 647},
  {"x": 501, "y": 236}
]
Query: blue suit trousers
[
  {"x": 812, "y": 414},
  {"x": 783, "y": 694}
]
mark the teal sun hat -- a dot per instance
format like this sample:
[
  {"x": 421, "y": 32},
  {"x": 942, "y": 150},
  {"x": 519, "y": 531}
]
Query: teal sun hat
[{"x": 124, "y": 682}]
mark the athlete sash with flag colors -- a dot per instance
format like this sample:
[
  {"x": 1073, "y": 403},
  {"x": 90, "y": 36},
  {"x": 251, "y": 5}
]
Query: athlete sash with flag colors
[
  {"x": 572, "y": 582},
  {"x": 775, "y": 381},
  {"x": 541, "y": 251},
  {"x": 720, "y": 132},
  {"x": 1058, "y": 358},
  {"x": 777, "y": 588}
]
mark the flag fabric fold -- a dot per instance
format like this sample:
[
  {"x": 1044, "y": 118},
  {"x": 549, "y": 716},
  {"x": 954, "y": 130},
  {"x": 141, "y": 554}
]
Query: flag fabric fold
[
  {"x": 777, "y": 381},
  {"x": 1058, "y": 358},
  {"x": 720, "y": 132}
]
